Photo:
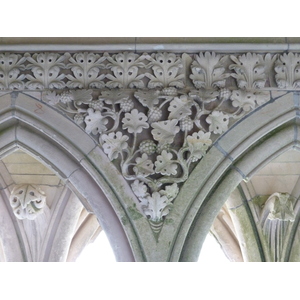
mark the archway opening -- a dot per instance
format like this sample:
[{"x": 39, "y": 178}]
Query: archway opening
[
  {"x": 259, "y": 220},
  {"x": 49, "y": 221},
  {"x": 237, "y": 156}
]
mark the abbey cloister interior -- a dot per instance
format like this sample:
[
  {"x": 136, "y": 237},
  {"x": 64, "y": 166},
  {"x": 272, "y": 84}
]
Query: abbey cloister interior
[{"x": 158, "y": 142}]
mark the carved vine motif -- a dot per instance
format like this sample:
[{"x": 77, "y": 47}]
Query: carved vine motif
[
  {"x": 155, "y": 137},
  {"x": 153, "y": 115}
]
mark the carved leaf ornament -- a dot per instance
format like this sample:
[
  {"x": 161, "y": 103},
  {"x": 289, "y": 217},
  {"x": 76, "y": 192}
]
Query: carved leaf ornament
[
  {"x": 250, "y": 71},
  {"x": 114, "y": 144},
  {"x": 135, "y": 121},
  {"x": 86, "y": 68},
  {"x": 209, "y": 71},
  {"x": 10, "y": 69},
  {"x": 153, "y": 117},
  {"x": 144, "y": 166},
  {"x": 166, "y": 68},
  {"x": 165, "y": 131},
  {"x": 46, "y": 69},
  {"x": 27, "y": 201}
]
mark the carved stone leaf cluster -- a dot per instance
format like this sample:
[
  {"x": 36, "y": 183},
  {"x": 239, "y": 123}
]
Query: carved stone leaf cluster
[
  {"x": 27, "y": 201},
  {"x": 127, "y": 70},
  {"x": 10, "y": 69},
  {"x": 209, "y": 71},
  {"x": 288, "y": 71},
  {"x": 154, "y": 138},
  {"x": 151, "y": 124},
  {"x": 86, "y": 68},
  {"x": 249, "y": 71}
]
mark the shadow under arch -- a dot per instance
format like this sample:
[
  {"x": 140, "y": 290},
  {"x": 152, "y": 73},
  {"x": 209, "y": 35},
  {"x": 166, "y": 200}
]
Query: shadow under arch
[
  {"x": 249, "y": 145},
  {"x": 51, "y": 138}
]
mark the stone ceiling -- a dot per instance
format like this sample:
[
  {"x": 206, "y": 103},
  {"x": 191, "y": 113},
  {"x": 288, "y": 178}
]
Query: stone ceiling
[{"x": 280, "y": 175}]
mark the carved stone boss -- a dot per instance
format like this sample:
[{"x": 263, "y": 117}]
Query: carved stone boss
[
  {"x": 27, "y": 201},
  {"x": 154, "y": 115}
]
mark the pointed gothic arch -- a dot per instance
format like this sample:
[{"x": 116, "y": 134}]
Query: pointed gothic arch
[
  {"x": 161, "y": 189},
  {"x": 51, "y": 138},
  {"x": 239, "y": 153}
]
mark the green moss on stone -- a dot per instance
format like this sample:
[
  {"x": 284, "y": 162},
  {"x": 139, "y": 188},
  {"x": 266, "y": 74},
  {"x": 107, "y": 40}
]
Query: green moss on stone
[
  {"x": 260, "y": 200},
  {"x": 124, "y": 221},
  {"x": 134, "y": 214},
  {"x": 169, "y": 221}
]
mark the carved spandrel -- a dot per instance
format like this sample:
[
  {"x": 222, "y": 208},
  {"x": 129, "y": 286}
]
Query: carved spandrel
[{"x": 155, "y": 137}]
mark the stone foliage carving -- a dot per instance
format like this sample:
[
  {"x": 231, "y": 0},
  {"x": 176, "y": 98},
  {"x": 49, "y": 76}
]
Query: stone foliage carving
[
  {"x": 27, "y": 201},
  {"x": 85, "y": 68},
  {"x": 287, "y": 68},
  {"x": 45, "y": 68},
  {"x": 154, "y": 137},
  {"x": 11, "y": 66},
  {"x": 249, "y": 71},
  {"x": 208, "y": 71},
  {"x": 154, "y": 115}
]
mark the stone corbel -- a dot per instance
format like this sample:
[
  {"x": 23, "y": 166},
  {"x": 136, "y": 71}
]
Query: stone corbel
[
  {"x": 27, "y": 201},
  {"x": 30, "y": 208}
]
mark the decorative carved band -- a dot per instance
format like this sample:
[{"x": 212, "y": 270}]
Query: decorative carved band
[
  {"x": 207, "y": 70},
  {"x": 155, "y": 137}
]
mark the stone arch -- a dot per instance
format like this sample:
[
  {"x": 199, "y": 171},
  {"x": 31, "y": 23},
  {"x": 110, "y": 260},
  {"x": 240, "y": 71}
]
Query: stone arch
[
  {"x": 50, "y": 137},
  {"x": 239, "y": 153}
]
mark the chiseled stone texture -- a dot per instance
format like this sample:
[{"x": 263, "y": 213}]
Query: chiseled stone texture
[{"x": 152, "y": 142}]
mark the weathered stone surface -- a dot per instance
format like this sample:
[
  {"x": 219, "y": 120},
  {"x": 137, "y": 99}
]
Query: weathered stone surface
[{"x": 156, "y": 140}]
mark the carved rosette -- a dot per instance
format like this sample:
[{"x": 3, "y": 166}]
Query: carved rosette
[{"x": 27, "y": 201}]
